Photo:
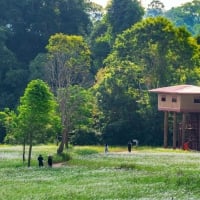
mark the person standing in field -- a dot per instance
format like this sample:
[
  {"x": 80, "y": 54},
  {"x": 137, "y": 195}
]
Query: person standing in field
[
  {"x": 106, "y": 148},
  {"x": 50, "y": 161},
  {"x": 40, "y": 161},
  {"x": 129, "y": 146}
]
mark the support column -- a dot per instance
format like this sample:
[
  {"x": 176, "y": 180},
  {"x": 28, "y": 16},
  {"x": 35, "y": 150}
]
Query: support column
[
  {"x": 183, "y": 129},
  {"x": 198, "y": 127},
  {"x": 174, "y": 130},
  {"x": 165, "y": 129}
]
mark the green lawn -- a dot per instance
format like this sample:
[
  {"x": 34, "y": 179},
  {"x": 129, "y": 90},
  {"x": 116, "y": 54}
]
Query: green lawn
[{"x": 146, "y": 173}]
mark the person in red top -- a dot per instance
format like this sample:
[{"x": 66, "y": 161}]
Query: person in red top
[{"x": 186, "y": 146}]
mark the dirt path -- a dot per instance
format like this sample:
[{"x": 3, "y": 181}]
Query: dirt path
[{"x": 59, "y": 165}]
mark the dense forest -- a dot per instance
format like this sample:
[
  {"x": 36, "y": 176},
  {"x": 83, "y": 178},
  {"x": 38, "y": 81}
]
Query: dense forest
[{"x": 75, "y": 72}]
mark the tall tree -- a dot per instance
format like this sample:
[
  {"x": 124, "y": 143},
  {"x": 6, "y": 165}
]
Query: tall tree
[
  {"x": 101, "y": 43},
  {"x": 122, "y": 101},
  {"x": 186, "y": 15},
  {"x": 164, "y": 55},
  {"x": 120, "y": 15},
  {"x": 155, "y": 8},
  {"x": 12, "y": 74},
  {"x": 31, "y": 23},
  {"x": 69, "y": 61},
  {"x": 35, "y": 112},
  {"x": 123, "y": 14},
  {"x": 81, "y": 104},
  {"x": 160, "y": 47}
]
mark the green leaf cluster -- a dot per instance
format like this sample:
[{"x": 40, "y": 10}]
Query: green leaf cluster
[{"x": 37, "y": 107}]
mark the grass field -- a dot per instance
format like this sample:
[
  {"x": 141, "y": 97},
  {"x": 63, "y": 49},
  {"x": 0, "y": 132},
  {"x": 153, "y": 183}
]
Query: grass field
[{"x": 145, "y": 174}]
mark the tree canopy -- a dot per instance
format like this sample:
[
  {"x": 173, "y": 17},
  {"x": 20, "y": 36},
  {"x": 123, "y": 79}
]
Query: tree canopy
[
  {"x": 122, "y": 101},
  {"x": 123, "y": 14},
  {"x": 152, "y": 53},
  {"x": 155, "y": 8},
  {"x": 36, "y": 110},
  {"x": 186, "y": 15},
  {"x": 120, "y": 15},
  {"x": 31, "y": 23},
  {"x": 25, "y": 28},
  {"x": 98, "y": 63},
  {"x": 69, "y": 62},
  {"x": 159, "y": 47}
]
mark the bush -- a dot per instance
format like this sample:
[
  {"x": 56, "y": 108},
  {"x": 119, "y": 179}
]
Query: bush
[
  {"x": 63, "y": 157},
  {"x": 83, "y": 137}
]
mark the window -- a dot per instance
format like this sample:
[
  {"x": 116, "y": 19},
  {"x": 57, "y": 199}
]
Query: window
[
  {"x": 163, "y": 98},
  {"x": 174, "y": 99},
  {"x": 196, "y": 99}
]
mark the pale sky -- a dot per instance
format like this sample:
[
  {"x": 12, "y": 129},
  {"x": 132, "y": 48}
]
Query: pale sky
[{"x": 168, "y": 3}]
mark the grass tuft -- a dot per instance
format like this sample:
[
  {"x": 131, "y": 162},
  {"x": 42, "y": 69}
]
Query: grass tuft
[
  {"x": 127, "y": 166},
  {"x": 83, "y": 152}
]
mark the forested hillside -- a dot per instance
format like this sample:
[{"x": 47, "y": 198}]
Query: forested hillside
[{"x": 99, "y": 65}]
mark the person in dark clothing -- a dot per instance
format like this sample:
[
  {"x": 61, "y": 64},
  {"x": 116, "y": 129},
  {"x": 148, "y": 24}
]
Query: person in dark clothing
[
  {"x": 50, "y": 161},
  {"x": 129, "y": 146},
  {"x": 106, "y": 148},
  {"x": 40, "y": 161}
]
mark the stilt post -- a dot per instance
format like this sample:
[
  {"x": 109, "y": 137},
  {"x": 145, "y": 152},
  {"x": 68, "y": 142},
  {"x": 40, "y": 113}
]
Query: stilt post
[
  {"x": 183, "y": 130},
  {"x": 165, "y": 129},
  {"x": 174, "y": 130}
]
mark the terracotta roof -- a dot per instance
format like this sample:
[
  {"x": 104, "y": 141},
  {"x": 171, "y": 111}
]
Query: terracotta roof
[{"x": 178, "y": 89}]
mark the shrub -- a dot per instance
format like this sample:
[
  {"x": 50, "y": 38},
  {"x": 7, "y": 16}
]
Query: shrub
[
  {"x": 85, "y": 137},
  {"x": 63, "y": 157}
]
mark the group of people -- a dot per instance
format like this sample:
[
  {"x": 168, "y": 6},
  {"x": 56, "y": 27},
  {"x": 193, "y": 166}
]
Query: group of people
[{"x": 41, "y": 161}]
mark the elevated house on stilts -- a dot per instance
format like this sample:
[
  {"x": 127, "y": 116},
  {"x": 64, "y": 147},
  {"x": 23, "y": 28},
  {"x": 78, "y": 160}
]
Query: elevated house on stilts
[{"x": 183, "y": 101}]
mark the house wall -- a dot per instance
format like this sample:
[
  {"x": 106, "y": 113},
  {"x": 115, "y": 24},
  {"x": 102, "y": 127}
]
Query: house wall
[
  {"x": 190, "y": 103},
  {"x": 172, "y": 102},
  {"x": 179, "y": 102}
]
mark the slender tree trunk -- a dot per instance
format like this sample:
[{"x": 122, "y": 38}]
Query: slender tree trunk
[
  {"x": 67, "y": 133},
  {"x": 63, "y": 141},
  {"x": 67, "y": 140},
  {"x": 30, "y": 150},
  {"x": 24, "y": 150}
]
